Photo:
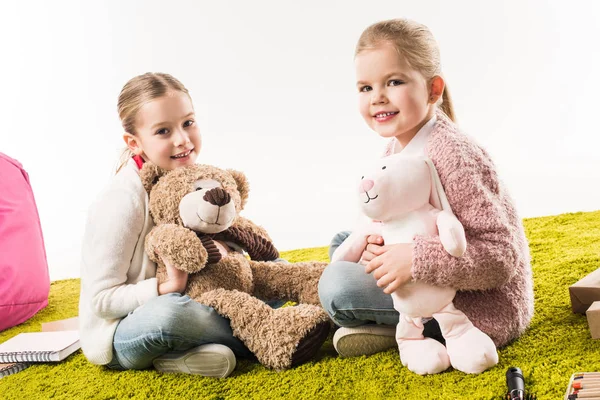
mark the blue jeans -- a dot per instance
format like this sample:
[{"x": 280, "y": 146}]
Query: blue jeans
[
  {"x": 352, "y": 298},
  {"x": 171, "y": 322}
]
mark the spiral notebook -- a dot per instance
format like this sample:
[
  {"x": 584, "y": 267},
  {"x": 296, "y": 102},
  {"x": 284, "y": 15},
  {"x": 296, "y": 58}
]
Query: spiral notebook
[
  {"x": 12, "y": 368},
  {"x": 40, "y": 346}
]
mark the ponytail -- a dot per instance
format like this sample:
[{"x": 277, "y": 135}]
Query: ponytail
[
  {"x": 126, "y": 155},
  {"x": 447, "y": 106}
]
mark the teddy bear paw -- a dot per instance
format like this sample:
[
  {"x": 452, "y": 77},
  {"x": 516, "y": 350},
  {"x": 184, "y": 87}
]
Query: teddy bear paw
[
  {"x": 311, "y": 343},
  {"x": 423, "y": 356}
]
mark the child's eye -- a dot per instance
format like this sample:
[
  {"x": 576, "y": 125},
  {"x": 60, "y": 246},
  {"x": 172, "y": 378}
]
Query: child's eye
[
  {"x": 395, "y": 82},
  {"x": 365, "y": 89},
  {"x": 162, "y": 131},
  {"x": 188, "y": 123}
]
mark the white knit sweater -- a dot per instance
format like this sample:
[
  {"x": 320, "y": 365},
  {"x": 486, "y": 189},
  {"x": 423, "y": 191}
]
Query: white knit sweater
[{"x": 116, "y": 274}]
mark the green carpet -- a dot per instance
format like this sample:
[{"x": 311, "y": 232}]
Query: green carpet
[{"x": 564, "y": 248}]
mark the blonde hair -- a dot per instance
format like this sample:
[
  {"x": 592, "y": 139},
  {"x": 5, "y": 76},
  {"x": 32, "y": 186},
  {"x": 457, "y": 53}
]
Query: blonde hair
[
  {"x": 415, "y": 43},
  {"x": 137, "y": 92}
]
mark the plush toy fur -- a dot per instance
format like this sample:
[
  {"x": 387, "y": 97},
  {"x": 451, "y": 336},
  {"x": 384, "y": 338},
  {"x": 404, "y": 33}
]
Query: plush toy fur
[
  {"x": 398, "y": 195},
  {"x": 193, "y": 206}
]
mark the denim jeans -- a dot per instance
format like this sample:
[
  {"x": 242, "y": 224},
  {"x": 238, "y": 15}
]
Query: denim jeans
[
  {"x": 352, "y": 298},
  {"x": 172, "y": 322}
]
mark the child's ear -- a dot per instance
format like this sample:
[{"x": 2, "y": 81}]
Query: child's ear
[
  {"x": 150, "y": 174},
  {"x": 132, "y": 143},
  {"x": 242, "y": 184},
  {"x": 436, "y": 89}
]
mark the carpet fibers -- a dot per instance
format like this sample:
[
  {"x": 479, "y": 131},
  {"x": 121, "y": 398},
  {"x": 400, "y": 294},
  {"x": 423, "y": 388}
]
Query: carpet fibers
[{"x": 564, "y": 248}]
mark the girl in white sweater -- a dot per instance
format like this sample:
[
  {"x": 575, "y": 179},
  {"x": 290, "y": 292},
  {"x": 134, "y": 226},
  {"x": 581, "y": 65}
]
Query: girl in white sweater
[{"x": 128, "y": 320}]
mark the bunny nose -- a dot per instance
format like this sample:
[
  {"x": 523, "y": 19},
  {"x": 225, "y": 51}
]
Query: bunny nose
[
  {"x": 217, "y": 197},
  {"x": 366, "y": 185}
]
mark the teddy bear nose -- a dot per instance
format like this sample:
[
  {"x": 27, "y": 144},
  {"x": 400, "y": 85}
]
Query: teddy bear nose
[
  {"x": 366, "y": 185},
  {"x": 217, "y": 196}
]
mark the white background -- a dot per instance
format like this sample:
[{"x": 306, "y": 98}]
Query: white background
[{"x": 273, "y": 86}]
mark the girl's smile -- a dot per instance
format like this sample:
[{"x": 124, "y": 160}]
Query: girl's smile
[
  {"x": 385, "y": 116},
  {"x": 184, "y": 156}
]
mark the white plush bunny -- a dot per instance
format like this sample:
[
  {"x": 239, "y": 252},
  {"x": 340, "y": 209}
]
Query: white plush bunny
[{"x": 403, "y": 197}]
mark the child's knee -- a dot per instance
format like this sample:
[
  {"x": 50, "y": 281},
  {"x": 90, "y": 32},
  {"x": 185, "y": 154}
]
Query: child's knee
[
  {"x": 177, "y": 314},
  {"x": 167, "y": 309},
  {"x": 333, "y": 284},
  {"x": 337, "y": 240}
]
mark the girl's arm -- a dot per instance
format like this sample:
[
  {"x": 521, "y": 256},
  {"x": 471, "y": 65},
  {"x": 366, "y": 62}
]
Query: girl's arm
[
  {"x": 114, "y": 228},
  {"x": 492, "y": 234}
]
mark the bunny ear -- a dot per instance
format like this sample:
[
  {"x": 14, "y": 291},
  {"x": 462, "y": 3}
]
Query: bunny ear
[
  {"x": 438, "y": 197},
  {"x": 150, "y": 174}
]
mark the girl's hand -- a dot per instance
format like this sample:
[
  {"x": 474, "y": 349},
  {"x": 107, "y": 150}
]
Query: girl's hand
[
  {"x": 223, "y": 248},
  {"x": 373, "y": 249},
  {"x": 392, "y": 266},
  {"x": 177, "y": 280}
]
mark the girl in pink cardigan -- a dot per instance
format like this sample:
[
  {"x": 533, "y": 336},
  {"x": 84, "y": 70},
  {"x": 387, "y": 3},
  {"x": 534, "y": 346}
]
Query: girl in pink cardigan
[{"x": 403, "y": 97}]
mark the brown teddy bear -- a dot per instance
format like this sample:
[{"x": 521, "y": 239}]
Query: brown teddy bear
[{"x": 193, "y": 206}]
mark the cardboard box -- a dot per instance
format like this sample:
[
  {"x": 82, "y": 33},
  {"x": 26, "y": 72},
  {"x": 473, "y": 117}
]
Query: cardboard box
[
  {"x": 585, "y": 292},
  {"x": 593, "y": 317}
]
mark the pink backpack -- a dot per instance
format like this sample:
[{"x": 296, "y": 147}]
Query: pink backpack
[{"x": 24, "y": 279}]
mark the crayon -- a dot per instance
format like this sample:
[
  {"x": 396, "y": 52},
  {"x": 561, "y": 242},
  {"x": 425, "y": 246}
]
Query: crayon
[
  {"x": 587, "y": 396},
  {"x": 594, "y": 392},
  {"x": 588, "y": 381},
  {"x": 586, "y": 385},
  {"x": 587, "y": 375},
  {"x": 574, "y": 397}
]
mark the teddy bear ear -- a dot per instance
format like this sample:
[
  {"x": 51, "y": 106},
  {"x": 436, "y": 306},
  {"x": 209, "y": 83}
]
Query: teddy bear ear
[
  {"x": 150, "y": 174},
  {"x": 242, "y": 184}
]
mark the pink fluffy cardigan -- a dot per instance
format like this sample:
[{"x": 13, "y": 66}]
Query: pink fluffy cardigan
[{"x": 493, "y": 277}]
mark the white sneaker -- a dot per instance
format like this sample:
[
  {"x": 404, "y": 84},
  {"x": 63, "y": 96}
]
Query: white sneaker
[
  {"x": 364, "y": 340},
  {"x": 212, "y": 360}
]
